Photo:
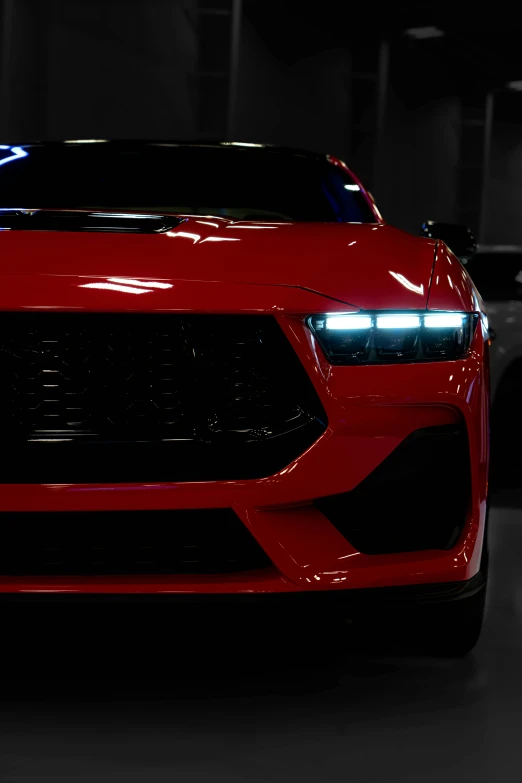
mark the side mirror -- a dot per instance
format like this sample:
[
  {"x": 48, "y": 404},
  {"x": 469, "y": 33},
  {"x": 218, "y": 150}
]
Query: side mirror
[{"x": 459, "y": 239}]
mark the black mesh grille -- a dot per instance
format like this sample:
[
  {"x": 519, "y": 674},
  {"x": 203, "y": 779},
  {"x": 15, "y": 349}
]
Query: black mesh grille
[
  {"x": 116, "y": 398},
  {"x": 126, "y": 542},
  {"x": 415, "y": 499}
]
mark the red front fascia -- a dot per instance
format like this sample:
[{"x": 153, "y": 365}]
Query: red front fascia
[{"x": 370, "y": 411}]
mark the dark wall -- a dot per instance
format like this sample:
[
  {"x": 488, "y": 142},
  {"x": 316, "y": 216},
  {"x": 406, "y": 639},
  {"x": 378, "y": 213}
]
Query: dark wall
[
  {"x": 303, "y": 103},
  {"x": 99, "y": 69},
  {"x": 307, "y": 103},
  {"x": 503, "y": 216},
  {"x": 419, "y": 162},
  {"x": 129, "y": 69}
]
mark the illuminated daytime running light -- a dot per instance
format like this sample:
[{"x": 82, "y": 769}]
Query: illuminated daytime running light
[
  {"x": 349, "y": 322},
  {"x": 443, "y": 320},
  {"x": 398, "y": 322},
  {"x": 392, "y": 337}
]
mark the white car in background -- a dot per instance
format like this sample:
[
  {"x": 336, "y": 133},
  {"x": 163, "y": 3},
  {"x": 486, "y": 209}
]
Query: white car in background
[{"x": 496, "y": 271}]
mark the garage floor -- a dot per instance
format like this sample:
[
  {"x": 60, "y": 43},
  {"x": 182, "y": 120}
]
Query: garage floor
[{"x": 98, "y": 697}]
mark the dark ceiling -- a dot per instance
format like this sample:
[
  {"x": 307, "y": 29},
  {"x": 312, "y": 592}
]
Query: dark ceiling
[{"x": 480, "y": 49}]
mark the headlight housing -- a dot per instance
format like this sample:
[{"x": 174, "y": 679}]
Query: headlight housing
[{"x": 393, "y": 337}]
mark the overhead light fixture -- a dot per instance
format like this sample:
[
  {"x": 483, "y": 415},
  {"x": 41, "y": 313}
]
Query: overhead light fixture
[
  {"x": 516, "y": 85},
  {"x": 422, "y": 33}
]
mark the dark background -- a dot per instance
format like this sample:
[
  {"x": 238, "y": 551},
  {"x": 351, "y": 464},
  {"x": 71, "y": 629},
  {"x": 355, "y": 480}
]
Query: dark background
[
  {"x": 109, "y": 693},
  {"x": 429, "y": 124}
]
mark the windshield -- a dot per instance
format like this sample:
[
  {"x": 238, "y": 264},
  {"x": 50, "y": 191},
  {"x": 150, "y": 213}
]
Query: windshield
[{"x": 241, "y": 183}]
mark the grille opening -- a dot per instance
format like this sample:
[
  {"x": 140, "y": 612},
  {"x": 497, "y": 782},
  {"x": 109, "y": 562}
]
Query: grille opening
[
  {"x": 416, "y": 499},
  {"x": 195, "y": 541},
  {"x": 96, "y": 397}
]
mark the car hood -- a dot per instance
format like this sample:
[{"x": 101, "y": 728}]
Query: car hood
[{"x": 362, "y": 266}]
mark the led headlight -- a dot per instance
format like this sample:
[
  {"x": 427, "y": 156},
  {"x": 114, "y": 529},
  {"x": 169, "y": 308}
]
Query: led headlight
[{"x": 393, "y": 337}]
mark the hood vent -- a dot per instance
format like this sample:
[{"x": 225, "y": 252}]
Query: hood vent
[{"x": 62, "y": 220}]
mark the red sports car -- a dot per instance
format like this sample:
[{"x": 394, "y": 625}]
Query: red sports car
[{"x": 223, "y": 375}]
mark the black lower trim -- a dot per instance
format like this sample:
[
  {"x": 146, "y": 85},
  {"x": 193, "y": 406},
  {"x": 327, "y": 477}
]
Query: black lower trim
[{"x": 376, "y": 597}]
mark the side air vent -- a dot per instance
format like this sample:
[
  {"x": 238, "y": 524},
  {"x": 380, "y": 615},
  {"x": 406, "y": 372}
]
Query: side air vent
[
  {"x": 388, "y": 511},
  {"x": 63, "y": 220}
]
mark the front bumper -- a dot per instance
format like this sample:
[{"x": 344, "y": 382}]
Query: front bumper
[
  {"x": 378, "y": 599},
  {"x": 371, "y": 411}
]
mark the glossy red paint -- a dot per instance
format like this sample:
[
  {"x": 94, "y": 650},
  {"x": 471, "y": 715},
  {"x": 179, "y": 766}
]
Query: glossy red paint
[
  {"x": 451, "y": 286},
  {"x": 367, "y": 266},
  {"x": 291, "y": 271}
]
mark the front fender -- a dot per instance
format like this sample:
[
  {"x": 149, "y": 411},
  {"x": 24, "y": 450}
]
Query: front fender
[{"x": 451, "y": 287}]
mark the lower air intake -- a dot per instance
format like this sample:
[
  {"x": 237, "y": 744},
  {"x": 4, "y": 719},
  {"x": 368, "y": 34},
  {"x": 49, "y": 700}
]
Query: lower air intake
[
  {"x": 416, "y": 499},
  {"x": 126, "y": 542}
]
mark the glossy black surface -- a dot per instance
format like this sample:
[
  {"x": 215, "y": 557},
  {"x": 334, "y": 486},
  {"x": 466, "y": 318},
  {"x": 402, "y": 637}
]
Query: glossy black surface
[
  {"x": 49, "y": 220},
  {"x": 432, "y": 460},
  {"x": 184, "y": 177},
  {"x": 458, "y": 238},
  {"x": 137, "y": 397},
  {"x": 126, "y": 542}
]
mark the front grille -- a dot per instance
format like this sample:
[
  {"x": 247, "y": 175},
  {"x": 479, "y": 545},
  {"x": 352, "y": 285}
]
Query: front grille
[
  {"x": 416, "y": 499},
  {"x": 144, "y": 397},
  {"x": 126, "y": 542}
]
